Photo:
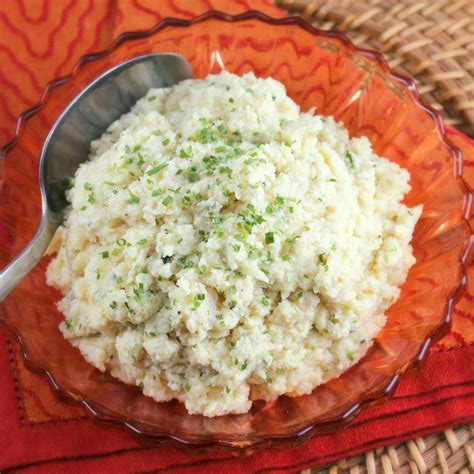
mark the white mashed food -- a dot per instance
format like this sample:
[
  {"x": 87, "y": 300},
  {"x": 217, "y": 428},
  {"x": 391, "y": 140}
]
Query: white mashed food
[{"x": 223, "y": 247}]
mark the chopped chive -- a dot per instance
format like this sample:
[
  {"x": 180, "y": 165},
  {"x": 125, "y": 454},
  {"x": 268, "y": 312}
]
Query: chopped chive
[
  {"x": 265, "y": 301},
  {"x": 185, "y": 152},
  {"x": 227, "y": 390},
  {"x": 193, "y": 175},
  {"x": 244, "y": 366},
  {"x": 167, "y": 200},
  {"x": 157, "y": 132},
  {"x": 105, "y": 254},
  {"x": 187, "y": 387},
  {"x": 231, "y": 100},
  {"x": 156, "y": 192},
  {"x": 142, "y": 241},
  {"x": 292, "y": 239},
  {"x": 97, "y": 273},
  {"x": 350, "y": 158},
  {"x": 88, "y": 186},
  {"x": 197, "y": 301},
  {"x": 136, "y": 148},
  {"x": 323, "y": 259},
  {"x": 121, "y": 242},
  {"x": 166, "y": 142},
  {"x": 156, "y": 169},
  {"x": 68, "y": 324},
  {"x": 269, "y": 238},
  {"x": 91, "y": 198},
  {"x": 232, "y": 304},
  {"x": 185, "y": 262},
  {"x": 113, "y": 305},
  {"x": 133, "y": 198},
  {"x": 151, "y": 98}
]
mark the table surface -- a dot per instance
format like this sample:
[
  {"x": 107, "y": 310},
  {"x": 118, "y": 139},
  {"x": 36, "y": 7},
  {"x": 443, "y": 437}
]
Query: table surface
[{"x": 42, "y": 49}]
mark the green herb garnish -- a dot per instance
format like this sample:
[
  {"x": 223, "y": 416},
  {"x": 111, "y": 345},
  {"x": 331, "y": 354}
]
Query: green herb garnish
[
  {"x": 167, "y": 200},
  {"x": 269, "y": 238},
  {"x": 156, "y": 169},
  {"x": 185, "y": 262},
  {"x": 133, "y": 198},
  {"x": 350, "y": 158},
  {"x": 185, "y": 152},
  {"x": 193, "y": 175}
]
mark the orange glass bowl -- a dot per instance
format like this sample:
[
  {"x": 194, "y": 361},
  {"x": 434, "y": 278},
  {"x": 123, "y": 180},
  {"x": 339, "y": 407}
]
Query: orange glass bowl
[{"x": 320, "y": 69}]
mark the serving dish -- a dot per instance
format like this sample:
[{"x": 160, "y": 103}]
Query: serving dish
[{"x": 320, "y": 69}]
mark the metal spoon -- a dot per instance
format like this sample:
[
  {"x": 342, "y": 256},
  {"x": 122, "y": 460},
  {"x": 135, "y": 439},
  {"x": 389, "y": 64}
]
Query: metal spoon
[{"x": 67, "y": 144}]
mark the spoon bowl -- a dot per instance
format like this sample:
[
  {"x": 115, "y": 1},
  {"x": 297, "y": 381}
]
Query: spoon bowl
[{"x": 86, "y": 118}]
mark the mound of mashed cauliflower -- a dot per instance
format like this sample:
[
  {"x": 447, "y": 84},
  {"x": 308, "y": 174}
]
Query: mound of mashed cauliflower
[{"x": 221, "y": 246}]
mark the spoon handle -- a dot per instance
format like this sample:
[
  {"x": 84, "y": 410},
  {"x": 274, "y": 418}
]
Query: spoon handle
[{"x": 30, "y": 255}]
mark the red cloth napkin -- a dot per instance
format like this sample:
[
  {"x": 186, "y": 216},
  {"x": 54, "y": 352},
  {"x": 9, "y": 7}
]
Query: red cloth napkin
[{"x": 38, "y": 433}]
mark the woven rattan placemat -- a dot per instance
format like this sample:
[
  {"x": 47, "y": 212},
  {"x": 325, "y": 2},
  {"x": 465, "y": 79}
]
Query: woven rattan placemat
[{"x": 432, "y": 41}]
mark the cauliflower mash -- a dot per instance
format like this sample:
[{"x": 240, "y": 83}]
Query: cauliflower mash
[{"x": 222, "y": 246}]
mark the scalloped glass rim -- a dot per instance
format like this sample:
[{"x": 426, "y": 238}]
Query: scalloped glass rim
[{"x": 248, "y": 445}]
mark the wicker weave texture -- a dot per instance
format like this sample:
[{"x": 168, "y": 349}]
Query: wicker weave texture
[
  {"x": 443, "y": 453},
  {"x": 433, "y": 41}
]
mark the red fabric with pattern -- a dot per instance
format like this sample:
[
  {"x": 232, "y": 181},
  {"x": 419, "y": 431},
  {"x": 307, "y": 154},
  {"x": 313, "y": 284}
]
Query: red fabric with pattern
[{"x": 42, "y": 39}]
